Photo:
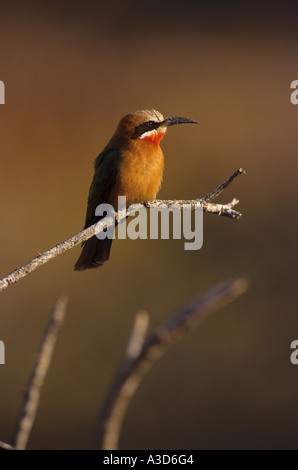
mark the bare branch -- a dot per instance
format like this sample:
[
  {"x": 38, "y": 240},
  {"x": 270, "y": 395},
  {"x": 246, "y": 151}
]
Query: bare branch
[
  {"x": 114, "y": 410},
  {"x": 137, "y": 337},
  {"x": 131, "y": 372},
  {"x": 219, "y": 209},
  {"x": 226, "y": 210},
  {"x": 32, "y": 397},
  {"x": 214, "y": 194},
  {"x": 5, "y": 446}
]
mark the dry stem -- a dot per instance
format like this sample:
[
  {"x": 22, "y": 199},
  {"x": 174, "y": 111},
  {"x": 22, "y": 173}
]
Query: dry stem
[
  {"x": 226, "y": 210},
  {"x": 134, "y": 367}
]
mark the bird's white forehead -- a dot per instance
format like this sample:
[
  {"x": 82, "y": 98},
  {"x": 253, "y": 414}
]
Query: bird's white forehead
[{"x": 151, "y": 114}]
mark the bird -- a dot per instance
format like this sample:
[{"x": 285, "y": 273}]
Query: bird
[{"x": 130, "y": 165}]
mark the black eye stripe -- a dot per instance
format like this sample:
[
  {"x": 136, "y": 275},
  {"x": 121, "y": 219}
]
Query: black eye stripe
[{"x": 145, "y": 127}]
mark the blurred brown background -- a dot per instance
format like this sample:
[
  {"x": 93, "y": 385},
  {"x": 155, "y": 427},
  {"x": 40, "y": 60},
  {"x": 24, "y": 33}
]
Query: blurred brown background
[{"x": 71, "y": 71}]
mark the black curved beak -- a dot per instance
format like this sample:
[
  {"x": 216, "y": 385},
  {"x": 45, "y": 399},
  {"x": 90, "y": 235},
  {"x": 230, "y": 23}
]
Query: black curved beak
[{"x": 171, "y": 121}]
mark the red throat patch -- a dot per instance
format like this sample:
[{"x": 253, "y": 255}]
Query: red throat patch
[{"x": 155, "y": 138}]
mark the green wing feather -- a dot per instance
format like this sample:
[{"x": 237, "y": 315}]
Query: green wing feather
[{"x": 105, "y": 173}]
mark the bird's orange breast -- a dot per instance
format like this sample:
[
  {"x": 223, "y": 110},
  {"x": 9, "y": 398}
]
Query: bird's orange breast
[{"x": 140, "y": 173}]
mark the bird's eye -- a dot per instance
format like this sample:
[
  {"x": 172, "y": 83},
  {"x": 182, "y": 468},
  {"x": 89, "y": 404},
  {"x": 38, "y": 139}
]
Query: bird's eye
[{"x": 150, "y": 123}]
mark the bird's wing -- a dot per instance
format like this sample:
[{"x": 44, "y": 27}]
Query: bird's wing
[{"x": 105, "y": 174}]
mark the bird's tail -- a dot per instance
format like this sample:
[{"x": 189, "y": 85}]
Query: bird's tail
[{"x": 95, "y": 253}]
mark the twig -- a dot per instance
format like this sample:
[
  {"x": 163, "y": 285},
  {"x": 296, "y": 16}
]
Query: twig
[
  {"x": 5, "y": 446},
  {"x": 226, "y": 210},
  {"x": 220, "y": 209},
  {"x": 112, "y": 416},
  {"x": 32, "y": 397},
  {"x": 137, "y": 337},
  {"x": 131, "y": 371},
  {"x": 214, "y": 194}
]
